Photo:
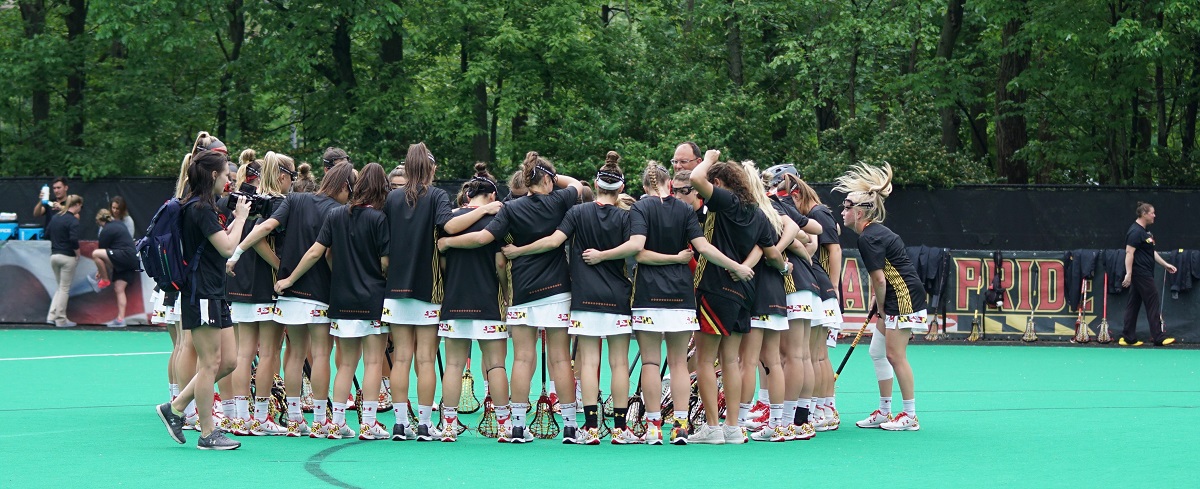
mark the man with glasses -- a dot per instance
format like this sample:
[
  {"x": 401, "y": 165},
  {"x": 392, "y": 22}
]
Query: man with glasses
[{"x": 687, "y": 156}]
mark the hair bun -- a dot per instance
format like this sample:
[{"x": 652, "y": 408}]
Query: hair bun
[
  {"x": 304, "y": 170},
  {"x": 480, "y": 168},
  {"x": 612, "y": 158}
]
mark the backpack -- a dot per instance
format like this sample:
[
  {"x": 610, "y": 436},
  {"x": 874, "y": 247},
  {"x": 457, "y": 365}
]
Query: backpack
[{"x": 161, "y": 249}]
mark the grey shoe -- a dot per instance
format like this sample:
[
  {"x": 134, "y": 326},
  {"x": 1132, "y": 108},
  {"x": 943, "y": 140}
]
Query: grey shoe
[
  {"x": 217, "y": 441},
  {"x": 173, "y": 422},
  {"x": 116, "y": 323},
  {"x": 65, "y": 324}
]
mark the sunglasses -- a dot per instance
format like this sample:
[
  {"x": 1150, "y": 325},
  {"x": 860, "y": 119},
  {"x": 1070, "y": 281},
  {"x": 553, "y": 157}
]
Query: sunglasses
[
  {"x": 684, "y": 190},
  {"x": 847, "y": 204}
]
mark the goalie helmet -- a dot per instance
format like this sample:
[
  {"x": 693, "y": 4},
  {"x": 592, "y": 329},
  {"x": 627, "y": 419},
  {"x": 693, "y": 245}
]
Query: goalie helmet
[{"x": 773, "y": 176}]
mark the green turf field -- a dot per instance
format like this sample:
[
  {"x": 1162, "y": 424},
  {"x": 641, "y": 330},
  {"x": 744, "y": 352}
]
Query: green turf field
[{"x": 1011, "y": 416}]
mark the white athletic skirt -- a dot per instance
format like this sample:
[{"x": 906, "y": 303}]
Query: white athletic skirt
[
  {"x": 356, "y": 328},
  {"x": 549, "y": 312},
  {"x": 770, "y": 321},
  {"x": 410, "y": 312},
  {"x": 590, "y": 323},
  {"x": 245, "y": 312},
  {"x": 800, "y": 305},
  {"x": 163, "y": 314},
  {"x": 914, "y": 321},
  {"x": 299, "y": 312},
  {"x": 831, "y": 316},
  {"x": 473, "y": 329},
  {"x": 665, "y": 320}
]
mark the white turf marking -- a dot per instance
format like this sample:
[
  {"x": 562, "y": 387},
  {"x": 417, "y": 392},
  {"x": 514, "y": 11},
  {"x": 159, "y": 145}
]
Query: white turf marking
[{"x": 55, "y": 357}]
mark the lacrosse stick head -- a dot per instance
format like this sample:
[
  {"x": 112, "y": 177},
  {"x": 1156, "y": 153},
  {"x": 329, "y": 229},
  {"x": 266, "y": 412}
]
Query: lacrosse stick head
[
  {"x": 543, "y": 424},
  {"x": 635, "y": 416},
  {"x": 489, "y": 425}
]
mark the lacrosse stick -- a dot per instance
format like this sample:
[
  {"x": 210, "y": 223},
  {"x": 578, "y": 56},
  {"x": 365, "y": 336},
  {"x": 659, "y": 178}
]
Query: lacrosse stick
[{"x": 543, "y": 424}]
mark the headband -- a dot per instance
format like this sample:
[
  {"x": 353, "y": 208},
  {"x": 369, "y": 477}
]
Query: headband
[
  {"x": 606, "y": 185},
  {"x": 486, "y": 183},
  {"x": 552, "y": 175}
]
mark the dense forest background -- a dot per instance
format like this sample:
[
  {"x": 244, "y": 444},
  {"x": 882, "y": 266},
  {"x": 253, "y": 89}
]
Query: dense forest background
[{"x": 947, "y": 91}]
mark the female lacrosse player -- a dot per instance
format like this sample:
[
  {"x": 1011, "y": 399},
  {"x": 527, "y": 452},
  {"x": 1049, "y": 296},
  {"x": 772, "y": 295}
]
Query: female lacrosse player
[
  {"x": 356, "y": 236},
  {"x": 115, "y": 255},
  {"x": 204, "y": 310},
  {"x": 415, "y": 212},
  {"x": 735, "y": 225},
  {"x": 664, "y": 301},
  {"x": 303, "y": 307},
  {"x": 472, "y": 309},
  {"x": 894, "y": 285},
  {"x": 541, "y": 288}
]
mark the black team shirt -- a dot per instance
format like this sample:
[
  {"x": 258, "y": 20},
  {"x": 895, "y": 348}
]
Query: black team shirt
[
  {"x": 802, "y": 275},
  {"x": 1142, "y": 242},
  {"x": 883, "y": 249},
  {"x": 119, "y": 243},
  {"x": 254, "y": 279},
  {"x": 416, "y": 272},
  {"x": 472, "y": 287},
  {"x": 358, "y": 237},
  {"x": 200, "y": 222},
  {"x": 669, "y": 225},
  {"x": 529, "y": 219},
  {"x": 602, "y": 287},
  {"x": 63, "y": 233},
  {"x": 301, "y": 216},
  {"x": 770, "y": 296},
  {"x": 734, "y": 228}
]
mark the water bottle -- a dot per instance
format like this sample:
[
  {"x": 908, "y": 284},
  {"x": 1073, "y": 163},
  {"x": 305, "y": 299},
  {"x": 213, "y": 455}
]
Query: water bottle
[{"x": 45, "y": 194}]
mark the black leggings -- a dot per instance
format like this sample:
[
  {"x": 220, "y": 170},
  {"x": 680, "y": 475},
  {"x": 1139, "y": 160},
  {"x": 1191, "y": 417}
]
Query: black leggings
[{"x": 1142, "y": 291}]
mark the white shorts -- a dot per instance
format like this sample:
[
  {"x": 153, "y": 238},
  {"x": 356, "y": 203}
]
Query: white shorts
[
  {"x": 356, "y": 328},
  {"x": 590, "y": 323},
  {"x": 831, "y": 316},
  {"x": 410, "y": 312},
  {"x": 245, "y": 312},
  {"x": 800, "y": 305},
  {"x": 914, "y": 321},
  {"x": 550, "y": 312},
  {"x": 298, "y": 312},
  {"x": 771, "y": 321},
  {"x": 473, "y": 329},
  {"x": 665, "y": 320}
]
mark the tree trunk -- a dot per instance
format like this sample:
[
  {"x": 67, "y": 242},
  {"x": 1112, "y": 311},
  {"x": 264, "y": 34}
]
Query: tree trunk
[
  {"x": 76, "y": 21},
  {"x": 733, "y": 45},
  {"x": 1187, "y": 135},
  {"x": 343, "y": 61},
  {"x": 237, "y": 37},
  {"x": 951, "y": 26},
  {"x": 33, "y": 14},
  {"x": 480, "y": 149},
  {"x": 851, "y": 100},
  {"x": 1160, "y": 97},
  {"x": 1011, "y": 131},
  {"x": 495, "y": 118}
]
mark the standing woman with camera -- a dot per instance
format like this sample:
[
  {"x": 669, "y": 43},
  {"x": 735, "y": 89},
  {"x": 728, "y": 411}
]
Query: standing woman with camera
[
  {"x": 204, "y": 310},
  {"x": 541, "y": 286},
  {"x": 415, "y": 213},
  {"x": 116, "y": 260},
  {"x": 303, "y": 307},
  {"x": 355, "y": 238},
  {"x": 63, "y": 234},
  {"x": 895, "y": 286}
]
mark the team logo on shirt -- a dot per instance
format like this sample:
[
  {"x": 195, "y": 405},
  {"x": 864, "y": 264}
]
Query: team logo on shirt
[
  {"x": 517, "y": 314},
  {"x": 642, "y": 320},
  {"x": 1150, "y": 238}
]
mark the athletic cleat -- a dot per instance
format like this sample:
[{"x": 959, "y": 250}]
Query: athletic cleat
[
  {"x": 571, "y": 435},
  {"x": 450, "y": 436},
  {"x": 226, "y": 425},
  {"x": 679, "y": 434},
  {"x": 875, "y": 420},
  {"x": 424, "y": 433},
  {"x": 780, "y": 434},
  {"x": 708, "y": 435},
  {"x": 805, "y": 432},
  {"x": 832, "y": 419},
  {"x": 735, "y": 435},
  {"x": 790, "y": 432},
  {"x": 337, "y": 432},
  {"x": 754, "y": 424},
  {"x": 653, "y": 435},
  {"x": 521, "y": 435},
  {"x": 372, "y": 432},
  {"x": 764, "y": 434},
  {"x": 267, "y": 428},
  {"x": 192, "y": 423},
  {"x": 320, "y": 430},
  {"x": 760, "y": 407},
  {"x": 217, "y": 441},
  {"x": 254, "y": 428},
  {"x": 590, "y": 436},
  {"x": 172, "y": 421},
  {"x": 626, "y": 437},
  {"x": 1122, "y": 342},
  {"x": 1165, "y": 342},
  {"x": 902, "y": 422},
  {"x": 403, "y": 432},
  {"x": 296, "y": 429}
]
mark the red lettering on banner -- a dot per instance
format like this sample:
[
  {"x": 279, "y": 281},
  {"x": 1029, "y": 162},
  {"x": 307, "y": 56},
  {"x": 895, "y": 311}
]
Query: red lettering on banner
[
  {"x": 1006, "y": 282},
  {"x": 1050, "y": 286},
  {"x": 1024, "y": 299},
  {"x": 852, "y": 287},
  {"x": 970, "y": 277}
]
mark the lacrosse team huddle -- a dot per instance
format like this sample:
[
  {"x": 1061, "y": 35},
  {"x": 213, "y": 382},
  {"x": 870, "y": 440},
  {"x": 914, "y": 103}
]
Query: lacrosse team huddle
[{"x": 735, "y": 269}]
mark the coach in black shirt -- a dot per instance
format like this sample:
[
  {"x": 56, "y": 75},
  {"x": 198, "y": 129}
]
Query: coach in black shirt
[{"x": 1139, "y": 277}]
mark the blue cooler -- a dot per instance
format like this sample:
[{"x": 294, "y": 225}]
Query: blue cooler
[
  {"x": 8, "y": 230},
  {"x": 30, "y": 233}
]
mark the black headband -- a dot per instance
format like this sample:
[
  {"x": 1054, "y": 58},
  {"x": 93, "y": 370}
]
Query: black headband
[
  {"x": 487, "y": 183},
  {"x": 609, "y": 185}
]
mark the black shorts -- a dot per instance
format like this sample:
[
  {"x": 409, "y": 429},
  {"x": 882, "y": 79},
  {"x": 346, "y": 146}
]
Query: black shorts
[
  {"x": 721, "y": 315},
  {"x": 213, "y": 313},
  {"x": 125, "y": 275}
]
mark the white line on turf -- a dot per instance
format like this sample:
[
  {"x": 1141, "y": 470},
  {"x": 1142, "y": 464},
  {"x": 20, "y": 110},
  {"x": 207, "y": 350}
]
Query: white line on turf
[{"x": 56, "y": 357}]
